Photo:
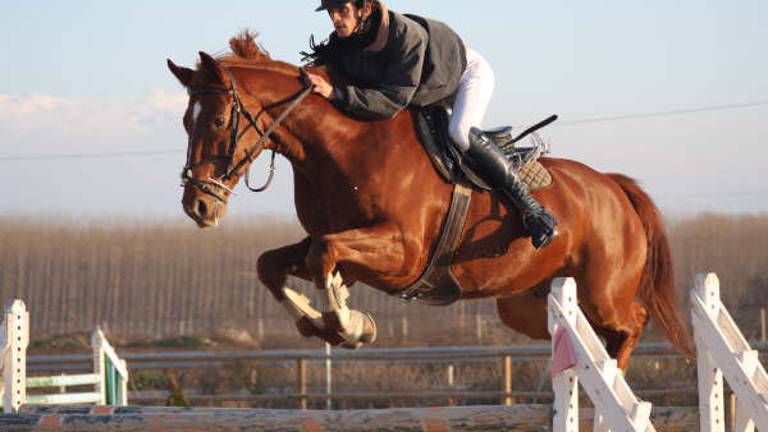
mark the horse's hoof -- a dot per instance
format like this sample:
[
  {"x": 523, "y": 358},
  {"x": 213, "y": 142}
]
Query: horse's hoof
[
  {"x": 351, "y": 345},
  {"x": 308, "y": 329},
  {"x": 332, "y": 322},
  {"x": 359, "y": 329}
]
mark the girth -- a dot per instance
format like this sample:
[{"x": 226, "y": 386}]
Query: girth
[{"x": 437, "y": 285}]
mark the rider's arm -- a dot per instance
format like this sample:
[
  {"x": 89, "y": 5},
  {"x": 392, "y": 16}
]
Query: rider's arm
[{"x": 405, "y": 58}]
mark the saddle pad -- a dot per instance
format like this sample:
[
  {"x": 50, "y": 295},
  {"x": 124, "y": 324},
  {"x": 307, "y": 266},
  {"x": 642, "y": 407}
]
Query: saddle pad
[{"x": 535, "y": 175}]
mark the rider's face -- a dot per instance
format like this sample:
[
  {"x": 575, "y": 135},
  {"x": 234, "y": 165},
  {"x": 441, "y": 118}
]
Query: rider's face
[{"x": 345, "y": 19}]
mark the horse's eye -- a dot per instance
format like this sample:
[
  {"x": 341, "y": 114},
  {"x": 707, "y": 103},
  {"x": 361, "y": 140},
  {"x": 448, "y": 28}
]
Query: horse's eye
[{"x": 219, "y": 122}]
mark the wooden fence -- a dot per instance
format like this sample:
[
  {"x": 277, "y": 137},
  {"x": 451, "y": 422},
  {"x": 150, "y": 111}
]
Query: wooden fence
[
  {"x": 517, "y": 418},
  {"x": 109, "y": 374},
  {"x": 578, "y": 357},
  {"x": 505, "y": 360}
]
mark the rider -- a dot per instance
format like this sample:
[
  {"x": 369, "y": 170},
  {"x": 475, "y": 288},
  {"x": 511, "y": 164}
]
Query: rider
[{"x": 393, "y": 61}]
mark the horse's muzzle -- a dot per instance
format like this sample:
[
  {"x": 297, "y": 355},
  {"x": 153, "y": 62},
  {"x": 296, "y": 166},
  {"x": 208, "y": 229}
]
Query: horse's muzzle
[{"x": 204, "y": 209}]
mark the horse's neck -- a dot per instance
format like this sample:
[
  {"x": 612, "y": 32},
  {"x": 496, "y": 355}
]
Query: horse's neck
[
  {"x": 310, "y": 136},
  {"x": 335, "y": 158}
]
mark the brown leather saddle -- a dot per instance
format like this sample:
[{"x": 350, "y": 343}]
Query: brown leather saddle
[
  {"x": 432, "y": 128},
  {"x": 437, "y": 284}
]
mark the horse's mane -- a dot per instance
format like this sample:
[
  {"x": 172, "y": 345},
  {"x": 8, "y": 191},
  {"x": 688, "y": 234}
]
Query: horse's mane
[{"x": 246, "y": 52}]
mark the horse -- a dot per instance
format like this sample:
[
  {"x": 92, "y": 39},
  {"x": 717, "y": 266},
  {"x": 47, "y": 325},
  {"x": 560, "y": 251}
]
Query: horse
[{"x": 372, "y": 206}]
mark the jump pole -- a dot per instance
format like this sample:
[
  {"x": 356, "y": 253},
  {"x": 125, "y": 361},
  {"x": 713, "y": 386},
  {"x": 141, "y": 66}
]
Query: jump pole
[{"x": 443, "y": 419}]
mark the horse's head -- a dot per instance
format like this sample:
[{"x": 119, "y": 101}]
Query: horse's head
[{"x": 215, "y": 161}]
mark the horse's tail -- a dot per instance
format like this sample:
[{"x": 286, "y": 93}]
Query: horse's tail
[{"x": 657, "y": 289}]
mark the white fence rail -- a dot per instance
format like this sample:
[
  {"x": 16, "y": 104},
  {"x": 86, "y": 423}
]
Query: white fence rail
[
  {"x": 723, "y": 351},
  {"x": 579, "y": 357},
  {"x": 14, "y": 338},
  {"x": 109, "y": 378}
]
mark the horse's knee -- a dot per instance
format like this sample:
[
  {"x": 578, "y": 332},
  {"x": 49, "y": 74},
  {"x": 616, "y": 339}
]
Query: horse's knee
[
  {"x": 320, "y": 260},
  {"x": 270, "y": 262},
  {"x": 265, "y": 266},
  {"x": 271, "y": 273}
]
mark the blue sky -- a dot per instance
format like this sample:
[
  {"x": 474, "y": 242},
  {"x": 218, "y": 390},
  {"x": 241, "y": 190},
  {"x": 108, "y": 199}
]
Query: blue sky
[{"x": 82, "y": 77}]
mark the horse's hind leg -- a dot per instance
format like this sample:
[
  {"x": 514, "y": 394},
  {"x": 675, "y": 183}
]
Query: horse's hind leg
[
  {"x": 622, "y": 338},
  {"x": 526, "y": 313},
  {"x": 619, "y": 319}
]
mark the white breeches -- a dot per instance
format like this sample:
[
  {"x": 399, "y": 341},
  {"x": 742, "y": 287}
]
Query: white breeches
[{"x": 472, "y": 99}]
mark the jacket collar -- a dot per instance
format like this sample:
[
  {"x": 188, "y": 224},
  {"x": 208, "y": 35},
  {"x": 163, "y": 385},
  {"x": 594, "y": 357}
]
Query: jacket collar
[{"x": 383, "y": 35}]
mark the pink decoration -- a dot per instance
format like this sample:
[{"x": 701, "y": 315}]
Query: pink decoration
[{"x": 563, "y": 358}]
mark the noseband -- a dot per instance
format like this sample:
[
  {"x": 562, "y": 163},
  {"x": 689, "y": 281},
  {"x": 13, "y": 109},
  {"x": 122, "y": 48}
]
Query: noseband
[{"x": 217, "y": 187}]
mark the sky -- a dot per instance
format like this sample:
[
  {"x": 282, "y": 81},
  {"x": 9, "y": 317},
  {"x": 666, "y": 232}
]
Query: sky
[{"x": 674, "y": 94}]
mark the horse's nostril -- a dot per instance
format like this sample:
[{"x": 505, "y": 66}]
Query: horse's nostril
[{"x": 202, "y": 208}]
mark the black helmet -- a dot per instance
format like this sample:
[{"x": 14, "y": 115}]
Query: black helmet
[{"x": 327, "y": 4}]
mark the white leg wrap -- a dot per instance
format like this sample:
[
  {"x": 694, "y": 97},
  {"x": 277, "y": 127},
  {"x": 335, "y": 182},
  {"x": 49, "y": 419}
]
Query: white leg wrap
[
  {"x": 337, "y": 294},
  {"x": 292, "y": 310},
  {"x": 353, "y": 323},
  {"x": 298, "y": 306},
  {"x": 353, "y": 329}
]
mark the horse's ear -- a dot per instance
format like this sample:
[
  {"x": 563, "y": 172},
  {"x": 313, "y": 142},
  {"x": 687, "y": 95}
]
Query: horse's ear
[
  {"x": 211, "y": 68},
  {"x": 184, "y": 75}
]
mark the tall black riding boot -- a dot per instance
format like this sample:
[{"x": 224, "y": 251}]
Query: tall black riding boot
[{"x": 491, "y": 163}]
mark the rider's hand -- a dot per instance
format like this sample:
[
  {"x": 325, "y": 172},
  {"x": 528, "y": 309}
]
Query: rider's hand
[{"x": 322, "y": 87}]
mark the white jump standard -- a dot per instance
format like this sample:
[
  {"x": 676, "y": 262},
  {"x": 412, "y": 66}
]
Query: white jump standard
[{"x": 722, "y": 350}]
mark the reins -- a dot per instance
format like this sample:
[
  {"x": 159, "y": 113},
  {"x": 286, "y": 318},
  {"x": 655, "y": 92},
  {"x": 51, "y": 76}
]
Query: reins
[{"x": 238, "y": 109}]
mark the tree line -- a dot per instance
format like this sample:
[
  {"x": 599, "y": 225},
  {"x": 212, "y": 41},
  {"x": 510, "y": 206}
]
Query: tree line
[{"x": 166, "y": 279}]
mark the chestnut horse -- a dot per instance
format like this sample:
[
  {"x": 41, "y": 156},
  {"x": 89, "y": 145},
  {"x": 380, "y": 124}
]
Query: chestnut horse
[{"x": 373, "y": 206}]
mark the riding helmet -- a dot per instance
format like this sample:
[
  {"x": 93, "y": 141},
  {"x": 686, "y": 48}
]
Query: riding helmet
[{"x": 327, "y": 4}]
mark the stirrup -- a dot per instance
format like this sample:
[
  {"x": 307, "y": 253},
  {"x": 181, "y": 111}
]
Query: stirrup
[
  {"x": 544, "y": 230},
  {"x": 544, "y": 239}
]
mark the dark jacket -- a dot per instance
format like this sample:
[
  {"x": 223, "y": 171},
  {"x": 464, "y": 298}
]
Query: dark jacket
[{"x": 412, "y": 61}]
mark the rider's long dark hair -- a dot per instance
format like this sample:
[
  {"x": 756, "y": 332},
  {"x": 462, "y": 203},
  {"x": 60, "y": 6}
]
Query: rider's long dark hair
[{"x": 327, "y": 52}]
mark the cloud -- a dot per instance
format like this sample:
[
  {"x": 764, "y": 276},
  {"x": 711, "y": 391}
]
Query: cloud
[
  {"x": 39, "y": 121},
  {"x": 35, "y": 105},
  {"x": 167, "y": 101}
]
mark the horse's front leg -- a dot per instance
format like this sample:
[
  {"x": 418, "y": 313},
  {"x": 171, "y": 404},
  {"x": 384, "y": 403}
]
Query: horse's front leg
[
  {"x": 274, "y": 267},
  {"x": 379, "y": 249}
]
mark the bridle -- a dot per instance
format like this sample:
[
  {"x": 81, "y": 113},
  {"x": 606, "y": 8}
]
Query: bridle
[{"x": 217, "y": 187}]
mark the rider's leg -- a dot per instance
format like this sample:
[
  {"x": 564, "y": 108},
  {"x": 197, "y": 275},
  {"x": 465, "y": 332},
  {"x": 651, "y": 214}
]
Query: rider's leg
[
  {"x": 472, "y": 98},
  {"x": 498, "y": 171}
]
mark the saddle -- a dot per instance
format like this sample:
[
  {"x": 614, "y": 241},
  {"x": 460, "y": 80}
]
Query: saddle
[
  {"x": 437, "y": 284},
  {"x": 432, "y": 128}
]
